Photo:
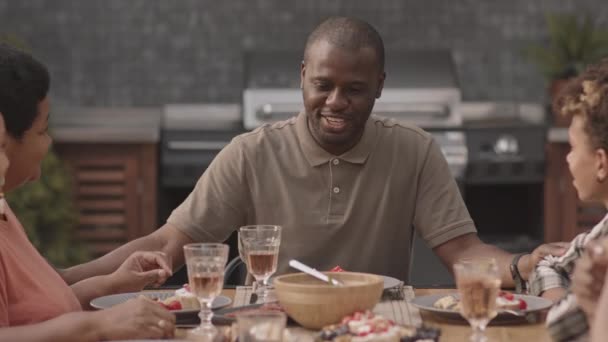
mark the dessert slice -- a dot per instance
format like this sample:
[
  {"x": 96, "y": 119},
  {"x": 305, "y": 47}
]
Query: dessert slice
[
  {"x": 182, "y": 300},
  {"x": 367, "y": 326}
]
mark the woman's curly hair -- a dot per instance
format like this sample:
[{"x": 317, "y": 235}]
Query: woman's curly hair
[{"x": 587, "y": 95}]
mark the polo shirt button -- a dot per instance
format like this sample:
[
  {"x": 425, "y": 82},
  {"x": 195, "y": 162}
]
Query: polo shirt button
[
  {"x": 336, "y": 190},
  {"x": 336, "y": 161}
]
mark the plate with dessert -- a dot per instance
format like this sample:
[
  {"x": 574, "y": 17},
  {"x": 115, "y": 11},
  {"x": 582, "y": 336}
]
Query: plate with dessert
[
  {"x": 182, "y": 302},
  {"x": 367, "y": 326},
  {"x": 510, "y": 307}
]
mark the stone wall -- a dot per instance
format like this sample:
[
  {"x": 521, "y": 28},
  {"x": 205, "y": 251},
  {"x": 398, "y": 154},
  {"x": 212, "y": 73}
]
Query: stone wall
[{"x": 151, "y": 52}]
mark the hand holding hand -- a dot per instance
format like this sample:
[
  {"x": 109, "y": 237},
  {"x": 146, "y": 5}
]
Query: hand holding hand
[
  {"x": 138, "y": 318},
  {"x": 528, "y": 262},
  {"x": 141, "y": 269}
]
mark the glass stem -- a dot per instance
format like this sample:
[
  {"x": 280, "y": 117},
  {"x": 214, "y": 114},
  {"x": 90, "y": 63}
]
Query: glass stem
[
  {"x": 263, "y": 287},
  {"x": 206, "y": 314}
]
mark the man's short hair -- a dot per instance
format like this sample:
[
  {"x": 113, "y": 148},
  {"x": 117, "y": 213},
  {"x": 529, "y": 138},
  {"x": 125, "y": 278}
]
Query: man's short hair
[
  {"x": 24, "y": 83},
  {"x": 349, "y": 33}
]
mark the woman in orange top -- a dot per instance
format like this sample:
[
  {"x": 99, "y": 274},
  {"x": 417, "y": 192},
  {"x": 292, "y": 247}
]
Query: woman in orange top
[{"x": 36, "y": 304}]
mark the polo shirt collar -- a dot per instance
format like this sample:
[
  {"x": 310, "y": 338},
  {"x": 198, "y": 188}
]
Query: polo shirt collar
[{"x": 316, "y": 155}]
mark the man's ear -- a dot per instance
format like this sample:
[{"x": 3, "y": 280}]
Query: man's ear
[
  {"x": 380, "y": 85},
  {"x": 602, "y": 164},
  {"x": 302, "y": 72}
]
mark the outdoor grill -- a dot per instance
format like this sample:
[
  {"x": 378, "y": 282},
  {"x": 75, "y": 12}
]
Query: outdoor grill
[
  {"x": 421, "y": 88},
  {"x": 192, "y": 134}
]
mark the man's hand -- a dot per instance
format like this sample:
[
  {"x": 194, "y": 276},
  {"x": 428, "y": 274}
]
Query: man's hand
[
  {"x": 527, "y": 263},
  {"x": 141, "y": 269},
  {"x": 588, "y": 277}
]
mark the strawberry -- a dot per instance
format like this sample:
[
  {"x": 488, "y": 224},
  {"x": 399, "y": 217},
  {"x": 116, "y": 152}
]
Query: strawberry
[
  {"x": 507, "y": 295},
  {"x": 174, "y": 305},
  {"x": 336, "y": 269},
  {"x": 522, "y": 304}
]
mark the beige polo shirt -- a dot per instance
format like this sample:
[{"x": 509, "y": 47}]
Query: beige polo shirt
[{"x": 357, "y": 210}]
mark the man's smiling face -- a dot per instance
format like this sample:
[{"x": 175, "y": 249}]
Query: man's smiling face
[{"x": 339, "y": 89}]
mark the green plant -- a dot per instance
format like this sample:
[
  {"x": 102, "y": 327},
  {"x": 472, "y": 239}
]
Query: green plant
[
  {"x": 46, "y": 211},
  {"x": 574, "y": 42},
  {"x": 45, "y": 207}
]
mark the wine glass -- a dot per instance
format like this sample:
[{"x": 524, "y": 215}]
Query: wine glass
[
  {"x": 478, "y": 284},
  {"x": 243, "y": 256},
  {"x": 260, "y": 244},
  {"x": 205, "y": 263}
]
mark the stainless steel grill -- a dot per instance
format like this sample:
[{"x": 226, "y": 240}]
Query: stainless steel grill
[
  {"x": 192, "y": 135},
  {"x": 421, "y": 88}
]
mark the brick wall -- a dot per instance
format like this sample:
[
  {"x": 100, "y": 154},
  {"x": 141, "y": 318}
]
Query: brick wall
[{"x": 151, "y": 52}]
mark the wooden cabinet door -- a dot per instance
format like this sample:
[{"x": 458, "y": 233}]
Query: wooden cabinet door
[{"x": 108, "y": 193}]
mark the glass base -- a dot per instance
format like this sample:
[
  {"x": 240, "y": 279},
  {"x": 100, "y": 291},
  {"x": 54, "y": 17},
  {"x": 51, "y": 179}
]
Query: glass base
[
  {"x": 479, "y": 327},
  {"x": 203, "y": 334}
]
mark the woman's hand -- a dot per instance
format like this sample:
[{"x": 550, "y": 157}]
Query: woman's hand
[
  {"x": 141, "y": 269},
  {"x": 139, "y": 318}
]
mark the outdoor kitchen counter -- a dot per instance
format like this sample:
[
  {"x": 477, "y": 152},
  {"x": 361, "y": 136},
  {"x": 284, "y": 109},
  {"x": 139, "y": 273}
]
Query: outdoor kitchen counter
[{"x": 106, "y": 125}]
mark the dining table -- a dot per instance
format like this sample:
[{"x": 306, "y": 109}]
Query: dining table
[{"x": 453, "y": 331}]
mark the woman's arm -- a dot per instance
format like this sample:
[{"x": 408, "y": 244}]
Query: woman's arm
[
  {"x": 139, "y": 270},
  {"x": 137, "y": 318},
  {"x": 167, "y": 239},
  {"x": 76, "y": 326}
]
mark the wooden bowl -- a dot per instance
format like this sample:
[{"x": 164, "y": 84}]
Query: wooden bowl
[{"x": 315, "y": 304}]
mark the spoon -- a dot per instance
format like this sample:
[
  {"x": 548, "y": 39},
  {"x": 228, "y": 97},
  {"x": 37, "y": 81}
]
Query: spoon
[{"x": 313, "y": 272}]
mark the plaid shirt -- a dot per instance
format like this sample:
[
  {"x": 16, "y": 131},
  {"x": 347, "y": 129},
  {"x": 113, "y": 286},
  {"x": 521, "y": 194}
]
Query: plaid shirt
[{"x": 565, "y": 321}]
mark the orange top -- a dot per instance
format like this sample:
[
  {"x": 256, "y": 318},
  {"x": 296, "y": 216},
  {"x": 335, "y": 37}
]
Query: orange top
[{"x": 31, "y": 291}]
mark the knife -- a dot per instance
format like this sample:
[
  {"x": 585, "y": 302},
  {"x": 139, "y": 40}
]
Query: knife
[{"x": 313, "y": 272}]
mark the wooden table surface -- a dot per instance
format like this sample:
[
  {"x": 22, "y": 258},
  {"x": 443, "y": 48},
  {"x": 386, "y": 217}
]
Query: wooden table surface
[{"x": 461, "y": 332}]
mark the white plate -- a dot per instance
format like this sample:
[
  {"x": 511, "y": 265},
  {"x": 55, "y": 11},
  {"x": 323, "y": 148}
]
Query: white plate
[
  {"x": 536, "y": 305},
  {"x": 111, "y": 300}
]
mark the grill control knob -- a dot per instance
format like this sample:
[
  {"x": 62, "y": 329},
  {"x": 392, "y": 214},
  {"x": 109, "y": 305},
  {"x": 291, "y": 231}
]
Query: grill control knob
[
  {"x": 506, "y": 144},
  {"x": 264, "y": 112}
]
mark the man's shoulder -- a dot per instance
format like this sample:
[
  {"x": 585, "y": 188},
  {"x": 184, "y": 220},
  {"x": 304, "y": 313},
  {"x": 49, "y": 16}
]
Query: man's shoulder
[
  {"x": 399, "y": 129},
  {"x": 269, "y": 132}
]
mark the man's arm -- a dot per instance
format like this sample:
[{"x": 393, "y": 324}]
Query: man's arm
[
  {"x": 551, "y": 276},
  {"x": 167, "y": 239},
  {"x": 470, "y": 246}
]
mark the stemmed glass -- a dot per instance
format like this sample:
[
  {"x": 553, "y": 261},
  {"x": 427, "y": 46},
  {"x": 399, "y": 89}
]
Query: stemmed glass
[
  {"x": 205, "y": 263},
  {"x": 260, "y": 246},
  {"x": 478, "y": 284}
]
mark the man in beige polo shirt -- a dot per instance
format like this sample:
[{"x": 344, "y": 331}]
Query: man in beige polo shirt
[{"x": 348, "y": 188}]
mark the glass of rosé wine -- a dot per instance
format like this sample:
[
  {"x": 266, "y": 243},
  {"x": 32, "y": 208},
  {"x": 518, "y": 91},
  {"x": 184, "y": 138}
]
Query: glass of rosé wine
[
  {"x": 260, "y": 246},
  {"x": 478, "y": 284},
  {"x": 205, "y": 263}
]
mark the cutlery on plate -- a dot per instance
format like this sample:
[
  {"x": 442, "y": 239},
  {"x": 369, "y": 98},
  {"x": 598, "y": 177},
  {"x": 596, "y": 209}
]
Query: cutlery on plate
[
  {"x": 313, "y": 272},
  {"x": 518, "y": 313}
]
